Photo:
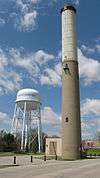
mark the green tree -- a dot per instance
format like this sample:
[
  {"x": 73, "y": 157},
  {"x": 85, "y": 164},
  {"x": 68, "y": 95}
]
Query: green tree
[{"x": 9, "y": 140}]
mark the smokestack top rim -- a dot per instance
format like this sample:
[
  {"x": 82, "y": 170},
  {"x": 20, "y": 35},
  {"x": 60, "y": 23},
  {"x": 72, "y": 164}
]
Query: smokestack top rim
[{"x": 68, "y": 7}]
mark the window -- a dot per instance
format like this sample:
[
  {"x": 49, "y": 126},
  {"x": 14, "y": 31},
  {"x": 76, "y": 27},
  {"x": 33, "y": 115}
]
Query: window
[{"x": 66, "y": 120}]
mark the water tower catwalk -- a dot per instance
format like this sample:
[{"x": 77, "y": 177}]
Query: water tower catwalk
[
  {"x": 27, "y": 118},
  {"x": 71, "y": 129}
]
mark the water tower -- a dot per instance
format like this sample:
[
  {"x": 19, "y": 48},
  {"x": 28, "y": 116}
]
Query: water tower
[{"x": 27, "y": 116}]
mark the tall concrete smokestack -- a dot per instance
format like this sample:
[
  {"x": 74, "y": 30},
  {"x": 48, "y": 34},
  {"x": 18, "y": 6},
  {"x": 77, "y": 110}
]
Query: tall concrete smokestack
[{"x": 71, "y": 129}]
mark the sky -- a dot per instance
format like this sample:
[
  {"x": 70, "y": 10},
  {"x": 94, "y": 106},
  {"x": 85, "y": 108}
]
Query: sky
[{"x": 30, "y": 57}]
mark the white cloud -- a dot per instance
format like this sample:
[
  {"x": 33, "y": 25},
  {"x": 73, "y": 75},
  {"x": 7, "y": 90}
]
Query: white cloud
[
  {"x": 58, "y": 69},
  {"x": 3, "y": 60},
  {"x": 31, "y": 62},
  {"x": 50, "y": 121},
  {"x": 87, "y": 50},
  {"x": 36, "y": 64},
  {"x": 97, "y": 40},
  {"x": 23, "y": 7},
  {"x": 90, "y": 127},
  {"x": 42, "y": 57},
  {"x": 25, "y": 62},
  {"x": 3, "y": 117},
  {"x": 89, "y": 69},
  {"x": 4, "y": 121},
  {"x": 9, "y": 79},
  {"x": 1, "y": 91},
  {"x": 2, "y": 22},
  {"x": 91, "y": 106},
  {"x": 35, "y": 1},
  {"x": 52, "y": 76},
  {"x": 59, "y": 55},
  {"x": 98, "y": 48},
  {"x": 90, "y": 111},
  {"x": 28, "y": 21},
  {"x": 87, "y": 131},
  {"x": 77, "y": 2},
  {"x": 50, "y": 117},
  {"x": 25, "y": 17}
]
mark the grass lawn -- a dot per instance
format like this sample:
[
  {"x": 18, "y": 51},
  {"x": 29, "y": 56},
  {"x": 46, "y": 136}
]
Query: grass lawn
[
  {"x": 18, "y": 154},
  {"x": 93, "y": 151}
]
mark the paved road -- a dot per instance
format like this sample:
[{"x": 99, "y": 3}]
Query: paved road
[
  {"x": 55, "y": 169},
  {"x": 21, "y": 160}
]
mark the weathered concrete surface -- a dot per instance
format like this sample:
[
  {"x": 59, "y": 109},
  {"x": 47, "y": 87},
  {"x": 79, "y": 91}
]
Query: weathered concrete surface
[
  {"x": 71, "y": 126},
  {"x": 55, "y": 169}
]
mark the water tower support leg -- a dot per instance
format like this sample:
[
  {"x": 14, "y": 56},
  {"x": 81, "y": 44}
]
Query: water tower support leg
[
  {"x": 16, "y": 120},
  {"x": 26, "y": 136},
  {"x": 39, "y": 139},
  {"x": 39, "y": 131},
  {"x": 29, "y": 132},
  {"x": 23, "y": 128},
  {"x": 13, "y": 121}
]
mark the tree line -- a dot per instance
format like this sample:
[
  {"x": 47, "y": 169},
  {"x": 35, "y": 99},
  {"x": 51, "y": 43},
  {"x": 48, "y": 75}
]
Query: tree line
[{"x": 9, "y": 142}]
